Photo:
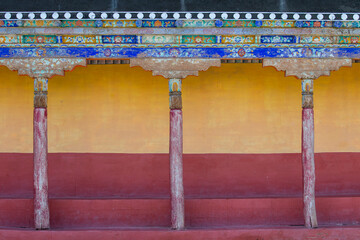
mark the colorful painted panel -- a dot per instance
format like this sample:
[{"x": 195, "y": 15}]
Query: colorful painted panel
[
  {"x": 39, "y": 39},
  {"x": 160, "y": 39},
  {"x": 278, "y": 23},
  {"x": 119, "y": 23},
  {"x": 277, "y": 39},
  {"x": 237, "y": 39},
  {"x": 198, "y": 23},
  {"x": 118, "y": 39},
  {"x": 10, "y": 39},
  {"x": 317, "y": 39},
  {"x": 349, "y": 39},
  {"x": 198, "y": 39},
  {"x": 237, "y": 23},
  {"x": 78, "y": 23},
  {"x": 307, "y": 24},
  {"x": 174, "y": 85},
  {"x": 158, "y": 23},
  {"x": 10, "y": 23},
  {"x": 80, "y": 39},
  {"x": 40, "y": 84},
  {"x": 42, "y": 23},
  {"x": 185, "y": 52},
  {"x": 348, "y": 24}
]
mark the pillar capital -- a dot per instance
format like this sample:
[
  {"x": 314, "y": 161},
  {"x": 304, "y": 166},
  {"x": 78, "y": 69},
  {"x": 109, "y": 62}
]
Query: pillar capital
[
  {"x": 175, "y": 68},
  {"x": 42, "y": 67},
  {"x": 307, "y": 68}
]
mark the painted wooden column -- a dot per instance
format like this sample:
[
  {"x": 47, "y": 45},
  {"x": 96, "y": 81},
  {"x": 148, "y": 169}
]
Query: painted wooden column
[
  {"x": 175, "y": 69},
  {"x": 176, "y": 151},
  {"x": 307, "y": 70},
  {"x": 307, "y": 153},
  {"x": 41, "y": 202},
  {"x": 41, "y": 69}
]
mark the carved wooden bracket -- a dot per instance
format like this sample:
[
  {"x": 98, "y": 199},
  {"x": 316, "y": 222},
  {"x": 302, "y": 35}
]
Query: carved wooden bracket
[
  {"x": 42, "y": 67},
  {"x": 177, "y": 68},
  {"x": 307, "y": 68}
]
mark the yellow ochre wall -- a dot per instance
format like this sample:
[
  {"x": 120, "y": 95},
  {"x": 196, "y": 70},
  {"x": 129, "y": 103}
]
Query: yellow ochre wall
[{"x": 238, "y": 108}]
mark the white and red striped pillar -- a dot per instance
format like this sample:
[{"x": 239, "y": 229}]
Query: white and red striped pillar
[
  {"x": 307, "y": 153},
  {"x": 176, "y": 151},
  {"x": 41, "y": 202}
]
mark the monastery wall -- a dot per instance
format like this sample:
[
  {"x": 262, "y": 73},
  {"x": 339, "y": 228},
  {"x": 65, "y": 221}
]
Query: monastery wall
[{"x": 238, "y": 108}]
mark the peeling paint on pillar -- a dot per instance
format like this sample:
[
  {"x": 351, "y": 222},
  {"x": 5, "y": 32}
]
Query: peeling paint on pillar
[
  {"x": 41, "y": 204},
  {"x": 175, "y": 70},
  {"x": 41, "y": 69},
  {"x": 307, "y": 70},
  {"x": 308, "y": 164},
  {"x": 176, "y": 170}
]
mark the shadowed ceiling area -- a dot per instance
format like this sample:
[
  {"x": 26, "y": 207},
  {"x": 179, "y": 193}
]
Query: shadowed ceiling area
[{"x": 184, "y": 5}]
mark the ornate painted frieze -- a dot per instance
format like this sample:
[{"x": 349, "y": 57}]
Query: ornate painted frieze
[
  {"x": 256, "y": 40},
  {"x": 180, "y": 52},
  {"x": 161, "y": 23}
]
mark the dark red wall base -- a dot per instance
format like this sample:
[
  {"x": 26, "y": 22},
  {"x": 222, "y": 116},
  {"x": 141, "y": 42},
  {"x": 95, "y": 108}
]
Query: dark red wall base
[
  {"x": 221, "y": 190},
  {"x": 205, "y": 234},
  {"x": 205, "y": 175}
]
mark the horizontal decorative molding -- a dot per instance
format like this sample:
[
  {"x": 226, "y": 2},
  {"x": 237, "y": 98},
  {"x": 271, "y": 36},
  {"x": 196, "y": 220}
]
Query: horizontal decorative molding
[
  {"x": 177, "y": 39},
  {"x": 79, "y": 15},
  {"x": 160, "y": 23},
  {"x": 181, "y": 52}
]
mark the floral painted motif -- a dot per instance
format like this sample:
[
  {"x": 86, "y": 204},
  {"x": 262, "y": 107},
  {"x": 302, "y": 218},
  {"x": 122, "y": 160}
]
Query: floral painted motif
[
  {"x": 158, "y": 23},
  {"x": 160, "y": 39},
  {"x": 80, "y": 39},
  {"x": 117, "y": 39},
  {"x": 10, "y": 39},
  {"x": 42, "y": 23},
  {"x": 349, "y": 39},
  {"x": 311, "y": 24},
  {"x": 198, "y": 39},
  {"x": 39, "y": 39},
  {"x": 198, "y": 23},
  {"x": 277, "y": 39},
  {"x": 119, "y": 23},
  {"x": 78, "y": 23},
  {"x": 278, "y": 23},
  {"x": 238, "y": 23},
  {"x": 238, "y": 39},
  {"x": 317, "y": 39}
]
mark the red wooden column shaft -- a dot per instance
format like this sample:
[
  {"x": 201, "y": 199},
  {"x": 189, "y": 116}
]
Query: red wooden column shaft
[
  {"x": 307, "y": 151},
  {"x": 41, "y": 203},
  {"x": 176, "y": 151}
]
